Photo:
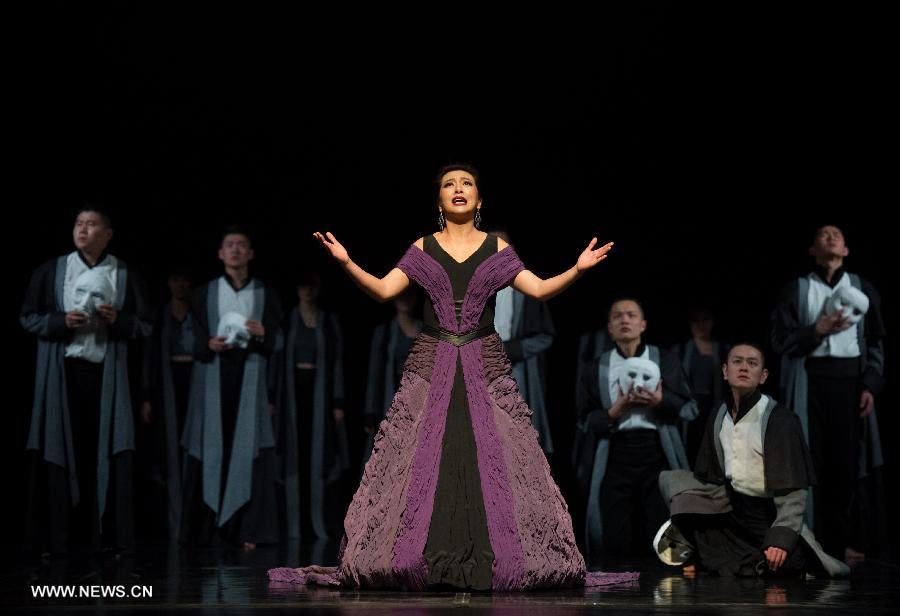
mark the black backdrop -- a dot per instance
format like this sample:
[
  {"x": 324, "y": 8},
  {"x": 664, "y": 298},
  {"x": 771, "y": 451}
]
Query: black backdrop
[{"x": 707, "y": 141}]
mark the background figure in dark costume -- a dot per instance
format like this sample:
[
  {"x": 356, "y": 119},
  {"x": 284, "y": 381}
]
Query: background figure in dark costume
[
  {"x": 741, "y": 511},
  {"x": 628, "y": 437},
  {"x": 832, "y": 368},
  {"x": 591, "y": 346},
  {"x": 457, "y": 492},
  {"x": 228, "y": 434},
  {"x": 527, "y": 331},
  {"x": 701, "y": 358},
  {"x": 166, "y": 380},
  {"x": 391, "y": 343},
  {"x": 84, "y": 307},
  {"x": 312, "y": 433}
]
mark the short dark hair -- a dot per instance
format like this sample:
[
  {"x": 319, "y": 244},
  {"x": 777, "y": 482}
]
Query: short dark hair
[
  {"x": 750, "y": 344},
  {"x": 99, "y": 211},
  {"x": 235, "y": 230},
  {"x": 457, "y": 166},
  {"x": 626, "y": 298}
]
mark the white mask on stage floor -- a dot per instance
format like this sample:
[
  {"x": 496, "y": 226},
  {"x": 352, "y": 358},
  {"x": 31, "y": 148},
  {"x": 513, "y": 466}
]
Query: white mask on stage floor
[
  {"x": 234, "y": 327},
  {"x": 92, "y": 289},
  {"x": 850, "y": 302},
  {"x": 639, "y": 372}
]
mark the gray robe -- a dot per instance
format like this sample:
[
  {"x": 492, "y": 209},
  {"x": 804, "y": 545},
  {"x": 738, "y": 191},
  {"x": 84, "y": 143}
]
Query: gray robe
[
  {"x": 788, "y": 470},
  {"x": 329, "y": 456},
  {"x": 595, "y": 428},
  {"x": 385, "y": 359},
  {"x": 794, "y": 338},
  {"x": 203, "y": 437},
  {"x": 532, "y": 334},
  {"x": 160, "y": 388},
  {"x": 685, "y": 352},
  {"x": 50, "y": 433}
]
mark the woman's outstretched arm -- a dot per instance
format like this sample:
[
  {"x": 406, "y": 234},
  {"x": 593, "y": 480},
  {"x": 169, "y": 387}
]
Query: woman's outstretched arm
[
  {"x": 543, "y": 289},
  {"x": 381, "y": 289}
]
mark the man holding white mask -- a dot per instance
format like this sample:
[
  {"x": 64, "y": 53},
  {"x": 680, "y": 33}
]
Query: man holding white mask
[
  {"x": 228, "y": 437},
  {"x": 829, "y": 330},
  {"x": 632, "y": 399},
  {"x": 84, "y": 307}
]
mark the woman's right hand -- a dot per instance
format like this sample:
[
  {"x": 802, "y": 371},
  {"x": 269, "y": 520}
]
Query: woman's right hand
[
  {"x": 381, "y": 289},
  {"x": 333, "y": 246}
]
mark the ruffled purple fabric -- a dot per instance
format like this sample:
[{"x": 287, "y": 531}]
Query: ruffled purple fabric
[
  {"x": 321, "y": 576},
  {"x": 325, "y": 576},
  {"x": 599, "y": 578},
  {"x": 550, "y": 554},
  {"x": 387, "y": 524}
]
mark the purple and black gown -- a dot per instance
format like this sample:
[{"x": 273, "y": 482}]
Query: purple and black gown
[{"x": 457, "y": 492}]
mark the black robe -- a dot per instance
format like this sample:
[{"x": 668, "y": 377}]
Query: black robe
[
  {"x": 594, "y": 423},
  {"x": 321, "y": 449},
  {"x": 794, "y": 338},
  {"x": 786, "y": 460},
  {"x": 166, "y": 386},
  {"x": 51, "y": 432},
  {"x": 595, "y": 428},
  {"x": 730, "y": 529},
  {"x": 532, "y": 334},
  {"x": 687, "y": 352},
  {"x": 387, "y": 356},
  {"x": 254, "y": 521}
]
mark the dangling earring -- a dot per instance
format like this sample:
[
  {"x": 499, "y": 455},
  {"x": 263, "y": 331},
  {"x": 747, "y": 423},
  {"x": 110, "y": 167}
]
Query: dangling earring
[
  {"x": 441, "y": 220},
  {"x": 478, "y": 218}
]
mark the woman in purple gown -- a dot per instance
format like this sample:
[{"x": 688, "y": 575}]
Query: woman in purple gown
[{"x": 457, "y": 492}]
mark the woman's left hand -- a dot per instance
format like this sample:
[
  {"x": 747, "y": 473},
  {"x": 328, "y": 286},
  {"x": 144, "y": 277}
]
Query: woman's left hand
[{"x": 592, "y": 256}]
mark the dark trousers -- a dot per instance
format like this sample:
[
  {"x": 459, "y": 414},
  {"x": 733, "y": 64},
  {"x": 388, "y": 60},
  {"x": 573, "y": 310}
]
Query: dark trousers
[
  {"x": 834, "y": 430},
  {"x": 631, "y": 506},
  {"x": 255, "y": 521},
  {"x": 732, "y": 543},
  {"x": 80, "y": 525}
]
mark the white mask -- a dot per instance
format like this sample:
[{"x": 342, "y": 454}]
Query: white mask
[
  {"x": 642, "y": 373},
  {"x": 234, "y": 327},
  {"x": 850, "y": 302},
  {"x": 92, "y": 289}
]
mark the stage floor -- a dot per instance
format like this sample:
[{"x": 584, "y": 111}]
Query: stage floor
[{"x": 230, "y": 579}]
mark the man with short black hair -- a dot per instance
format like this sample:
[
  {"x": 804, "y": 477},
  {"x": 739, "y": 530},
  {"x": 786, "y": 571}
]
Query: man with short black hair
[
  {"x": 830, "y": 332},
  {"x": 741, "y": 511},
  {"x": 228, "y": 434},
  {"x": 84, "y": 308},
  {"x": 629, "y": 434}
]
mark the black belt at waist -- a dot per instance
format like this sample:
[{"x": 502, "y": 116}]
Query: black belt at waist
[{"x": 458, "y": 339}]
